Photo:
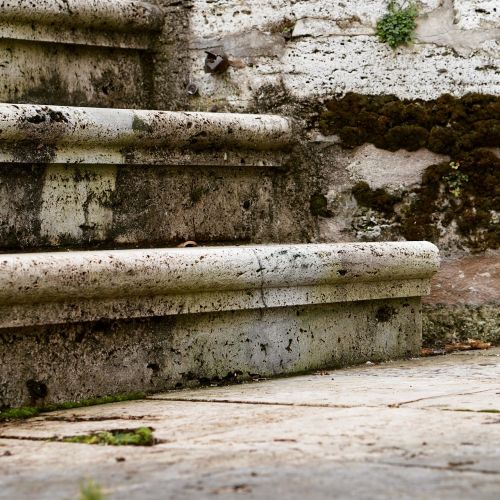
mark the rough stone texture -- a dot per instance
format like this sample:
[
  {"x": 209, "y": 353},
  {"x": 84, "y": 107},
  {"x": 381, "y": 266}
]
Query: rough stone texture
[
  {"x": 398, "y": 430},
  {"x": 74, "y": 75},
  {"x": 387, "y": 170},
  {"x": 87, "y": 360},
  {"x": 79, "y": 53},
  {"x": 333, "y": 49}
]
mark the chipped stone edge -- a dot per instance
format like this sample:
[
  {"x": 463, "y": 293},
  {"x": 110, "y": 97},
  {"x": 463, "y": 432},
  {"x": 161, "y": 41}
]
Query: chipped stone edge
[
  {"x": 76, "y": 135},
  {"x": 52, "y": 288},
  {"x": 127, "y": 24}
]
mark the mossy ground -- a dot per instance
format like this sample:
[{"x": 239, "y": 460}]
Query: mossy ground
[
  {"x": 143, "y": 436},
  {"x": 33, "y": 411},
  {"x": 464, "y": 191},
  {"x": 91, "y": 491}
]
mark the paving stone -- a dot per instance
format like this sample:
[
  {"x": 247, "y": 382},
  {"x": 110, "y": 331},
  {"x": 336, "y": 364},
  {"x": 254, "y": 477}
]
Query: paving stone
[{"x": 290, "y": 447}]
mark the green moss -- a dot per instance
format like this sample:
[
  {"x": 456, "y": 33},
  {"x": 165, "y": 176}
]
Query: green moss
[
  {"x": 91, "y": 491},
  {"x": 19, "y": 413},
  {"x": 28, "y": 412},
  {"x": 376, "y": 199},
  {"x": 466, "y": 192},
  {"x": 143, "y": 436}
]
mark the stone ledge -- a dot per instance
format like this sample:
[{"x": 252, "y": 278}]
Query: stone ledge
[
  {"x": 52, "y": 288},
  {"x": 74, "y": 135},
  {"x": 127, "y": 24}
]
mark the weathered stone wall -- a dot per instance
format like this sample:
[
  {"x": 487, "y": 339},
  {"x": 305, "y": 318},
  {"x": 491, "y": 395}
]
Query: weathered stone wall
[
  {"x": 307, "y": 59},
  {"x": 294, "y": 57}
]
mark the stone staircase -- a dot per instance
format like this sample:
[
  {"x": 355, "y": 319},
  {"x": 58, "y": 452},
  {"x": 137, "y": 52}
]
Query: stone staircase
[{"x": 96, "y": 192}]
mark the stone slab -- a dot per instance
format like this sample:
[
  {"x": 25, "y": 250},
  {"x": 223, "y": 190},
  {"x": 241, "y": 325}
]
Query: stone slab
[
  {"x": 253, "y": 450},
  {"x": 393, "y": 384}
]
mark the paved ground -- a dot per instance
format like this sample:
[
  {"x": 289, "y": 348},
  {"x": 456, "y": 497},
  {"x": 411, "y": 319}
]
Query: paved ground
[{"x": 427, "y": 428}]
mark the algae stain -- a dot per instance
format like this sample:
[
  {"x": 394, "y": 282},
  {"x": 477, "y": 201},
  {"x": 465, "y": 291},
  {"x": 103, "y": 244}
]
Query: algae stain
[{"x": 139, "y": 125}]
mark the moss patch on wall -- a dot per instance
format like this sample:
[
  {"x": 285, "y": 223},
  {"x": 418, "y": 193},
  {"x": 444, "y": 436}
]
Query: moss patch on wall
[
  {"x": 447, "y": 125},
  {"x": 468, "y": 196},
  {"x": 464, "y": 192},
  {"x": 378, "y": 199}
]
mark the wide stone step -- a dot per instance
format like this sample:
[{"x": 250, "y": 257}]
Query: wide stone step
[
  {"x": 75, "y": 135},
  {"x": 76, "y": 325}
]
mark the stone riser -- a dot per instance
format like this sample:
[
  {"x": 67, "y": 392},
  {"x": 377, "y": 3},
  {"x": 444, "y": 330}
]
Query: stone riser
[{"x": 86, "y": 360}]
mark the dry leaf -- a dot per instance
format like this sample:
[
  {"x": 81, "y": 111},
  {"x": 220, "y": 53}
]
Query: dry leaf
[{"x": 187, "y": 244}]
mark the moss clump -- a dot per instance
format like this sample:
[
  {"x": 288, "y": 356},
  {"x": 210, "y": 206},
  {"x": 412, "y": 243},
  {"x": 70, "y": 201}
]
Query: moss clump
[
  {"x": 143, "y": 436},
  {"x": 284, "y": 27},
  {"x": 91, "y": 491},
  {"x": 318, "y": 205},
  {"x": 448, "y": 125},
  {"x": 409, "y": 137},
  {"x": 33, "y": 411},
  {"x": 18, "y": 413},
  {"x": 465, "y": 192},
  {"x": 376, "y": 199}
]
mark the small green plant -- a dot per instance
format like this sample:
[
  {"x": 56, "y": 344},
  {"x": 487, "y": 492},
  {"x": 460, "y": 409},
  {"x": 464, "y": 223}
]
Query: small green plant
[
  {"x": 143, "y": 436},
  {"x": 455, "y": 179},
  {"x": 91, "y": 491},
  {"x": 398, "y": 25}
]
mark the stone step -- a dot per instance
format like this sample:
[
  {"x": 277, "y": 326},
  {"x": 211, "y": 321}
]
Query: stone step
[
  {"x": 127, "y": 23},
  {"x": 87, "y": 177},
  {"x": 78, "y": 52},
  {"x": 77, "y": 325}
]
